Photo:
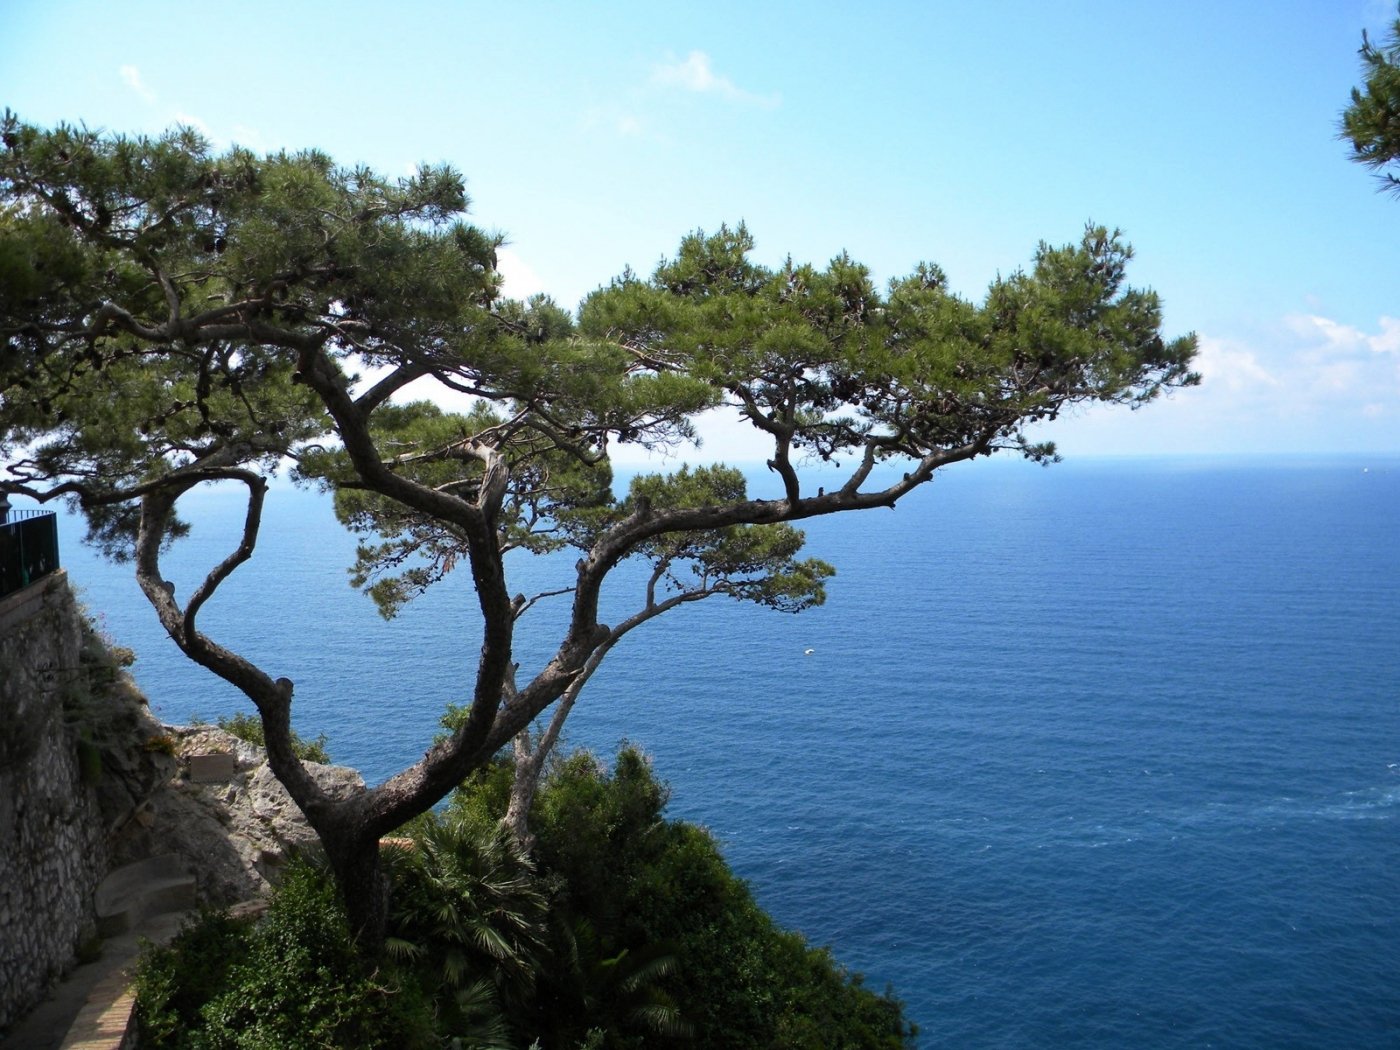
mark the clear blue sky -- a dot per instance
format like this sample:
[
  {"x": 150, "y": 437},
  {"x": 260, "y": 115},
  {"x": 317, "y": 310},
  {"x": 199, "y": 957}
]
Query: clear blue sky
[{"x": 595, "y": 135}]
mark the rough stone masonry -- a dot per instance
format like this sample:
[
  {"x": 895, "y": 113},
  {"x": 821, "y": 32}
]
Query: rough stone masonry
[{"x": 89, "y": 781}]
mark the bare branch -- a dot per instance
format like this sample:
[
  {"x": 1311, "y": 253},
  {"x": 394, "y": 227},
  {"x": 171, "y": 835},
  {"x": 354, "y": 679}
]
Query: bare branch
[
  {"x": 257, "y": 490},
  {"x": 391, "y": 384},
  {"x": 521, "y": 605}
]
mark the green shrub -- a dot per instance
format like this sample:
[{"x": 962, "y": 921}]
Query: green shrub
[
  {"x": 294, "y": 979},
  {"x": 173, "y": 983},
  {"x": 250, "y": 728},
  {"x": 626, "y": 931},
  {"x": 470, "y": 915}
]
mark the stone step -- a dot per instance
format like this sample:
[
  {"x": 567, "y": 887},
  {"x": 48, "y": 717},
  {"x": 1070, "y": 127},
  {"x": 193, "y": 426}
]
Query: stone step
[{"x": 149, "y": 887}]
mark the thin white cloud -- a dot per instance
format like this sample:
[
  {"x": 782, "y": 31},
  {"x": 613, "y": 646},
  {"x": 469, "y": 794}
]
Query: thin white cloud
[
  {"x": 244, "y": 136},
  {"x": 1318, "y": 373},
  {"x": 1324, "y": 333},
  {"x": 1333, "y": 336},
  {"x": 620, "y": 122},
  {"x": 249, "y": 138},
  {"x": 1232, "y": 367},
  {"x": 1330, "y": 367},
  {"x": 1387, "y": 340},
  {"x": 131, "y": 77},
  {"x": 519, "y": 280},
  {"x": 695, "y": 73},
  {"x": 1311, "y": 382}
]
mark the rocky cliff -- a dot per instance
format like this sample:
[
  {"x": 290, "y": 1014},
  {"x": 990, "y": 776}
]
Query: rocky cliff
[
  {"x": 232, "y": 821},
  {"x": 91, "y": 781}
]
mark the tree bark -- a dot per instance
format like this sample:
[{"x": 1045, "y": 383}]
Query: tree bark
[
  {"x": 364, "y": 888},
  {"x": 528, "y": 763}
]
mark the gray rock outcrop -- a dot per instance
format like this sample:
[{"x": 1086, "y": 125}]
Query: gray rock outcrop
[{"x": 236, "y": 834}]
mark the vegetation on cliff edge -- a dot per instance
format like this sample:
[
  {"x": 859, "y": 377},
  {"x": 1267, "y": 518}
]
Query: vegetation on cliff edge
[{"x": 623, "y": 929}]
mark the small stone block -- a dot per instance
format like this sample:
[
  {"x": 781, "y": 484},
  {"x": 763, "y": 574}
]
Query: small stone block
[{"x": 212, "y": 769}]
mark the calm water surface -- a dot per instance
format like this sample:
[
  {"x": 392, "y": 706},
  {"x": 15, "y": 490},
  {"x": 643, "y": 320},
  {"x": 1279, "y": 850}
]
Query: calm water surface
[{"x": 1103, "y": 755}]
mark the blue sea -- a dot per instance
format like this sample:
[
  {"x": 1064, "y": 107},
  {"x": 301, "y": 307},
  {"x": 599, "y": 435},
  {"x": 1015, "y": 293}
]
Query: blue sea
[{"x": 1100, "y": 755}]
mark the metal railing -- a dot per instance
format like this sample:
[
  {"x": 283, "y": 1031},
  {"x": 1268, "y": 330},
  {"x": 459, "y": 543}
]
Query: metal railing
[{"x": 28, "y": 548}]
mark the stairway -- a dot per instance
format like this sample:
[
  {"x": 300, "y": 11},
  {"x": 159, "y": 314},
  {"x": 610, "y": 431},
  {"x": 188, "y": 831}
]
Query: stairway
[{"x": 137, "y": 891}]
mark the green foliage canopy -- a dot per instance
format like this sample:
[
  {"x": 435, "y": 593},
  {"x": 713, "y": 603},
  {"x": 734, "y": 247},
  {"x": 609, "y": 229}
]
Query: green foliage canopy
[
  {"x": 1372, "y": 122},
  {"x": 290, "y": 979},
  {"x": 171, "y": 316}
]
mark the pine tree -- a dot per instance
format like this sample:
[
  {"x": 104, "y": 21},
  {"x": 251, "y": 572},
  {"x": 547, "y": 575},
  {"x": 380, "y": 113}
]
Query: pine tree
[{"x": 170, "y": 316}]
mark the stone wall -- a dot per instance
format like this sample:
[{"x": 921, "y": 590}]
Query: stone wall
[
  {"x": 75, "y": 765},
  {"x": 89, "y": 781}
]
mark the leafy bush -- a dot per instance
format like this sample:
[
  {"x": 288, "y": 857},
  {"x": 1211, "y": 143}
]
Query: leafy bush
[
  {"x": 250, "y": 728},
  {"x": 294, "y": 979},
  {"x": 173, "y": 983}
]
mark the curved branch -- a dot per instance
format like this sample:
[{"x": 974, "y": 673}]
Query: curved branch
[
  {"x": 391, "y": 384},
  {"x": 521, "y": 604},
  {"x": 782, "y": 441},
  {"x": 273, "y": 699},
  {"x": 257, "y": 491},
  {"x": 529, "y": 761},
  {"x": 413, "y": 790}
]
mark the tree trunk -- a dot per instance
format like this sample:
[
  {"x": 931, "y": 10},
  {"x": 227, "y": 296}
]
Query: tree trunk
[
  {"x": 522, "y": 790},
  {"x": 364, "y": 888}
]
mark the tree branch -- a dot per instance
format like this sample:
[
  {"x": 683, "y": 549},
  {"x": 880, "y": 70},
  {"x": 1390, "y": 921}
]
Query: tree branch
[{"x": 272, "y": 698}]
